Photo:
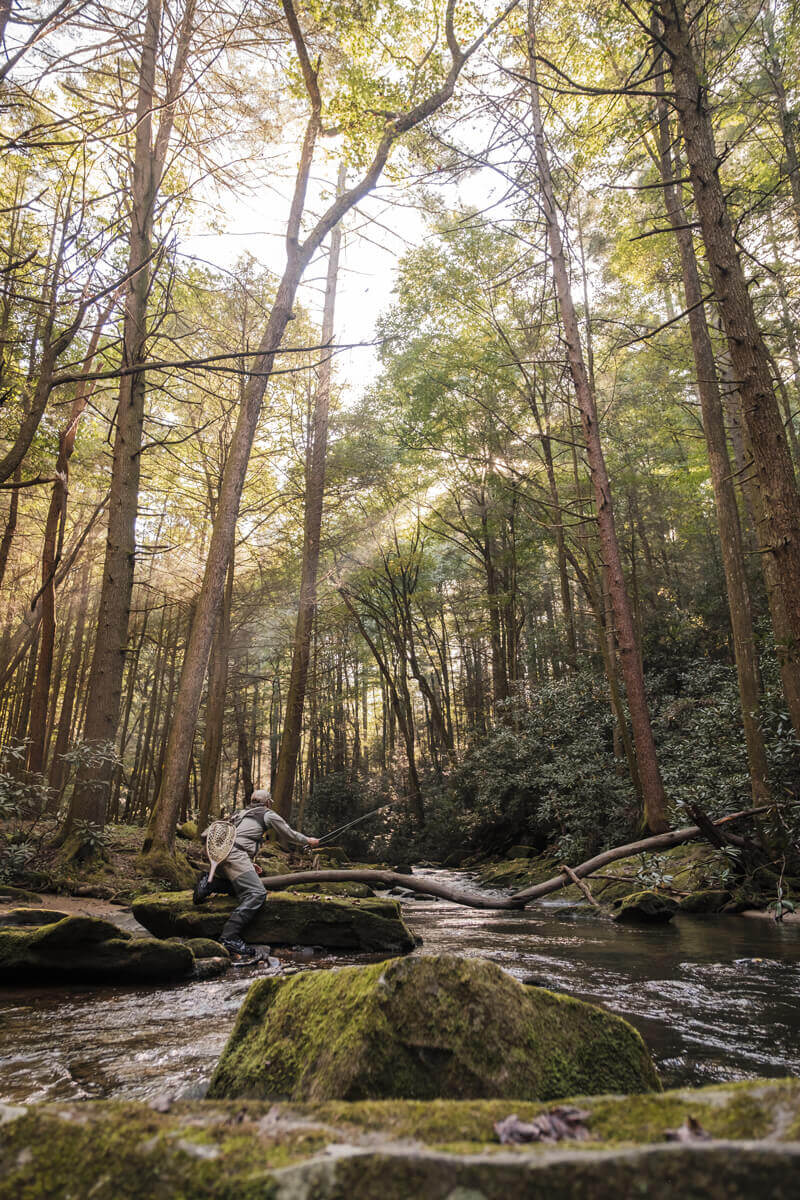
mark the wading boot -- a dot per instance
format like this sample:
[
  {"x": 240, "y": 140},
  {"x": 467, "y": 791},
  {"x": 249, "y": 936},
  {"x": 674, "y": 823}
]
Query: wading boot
[
  {"x": 201, "y": 889},
  {"x": 235, "y": 945}
]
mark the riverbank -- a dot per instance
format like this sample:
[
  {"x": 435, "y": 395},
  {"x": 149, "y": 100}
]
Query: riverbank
[{"x": 695, "y": 876}]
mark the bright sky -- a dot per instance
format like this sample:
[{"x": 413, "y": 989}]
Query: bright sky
[{"x": 387, "y": 223}]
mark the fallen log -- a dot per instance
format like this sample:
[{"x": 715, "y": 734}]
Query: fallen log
[
  {"x": 660, "y": 841},
  {"x": 388, "y": 879},
  {"x": 432, "y": 887}
]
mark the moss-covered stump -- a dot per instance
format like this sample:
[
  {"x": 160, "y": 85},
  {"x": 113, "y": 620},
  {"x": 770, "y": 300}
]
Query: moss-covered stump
[
  {"x": 423, "y": 1028},
  {"x": 287, "y": 919},
  {"x": 76, "y": 949},
  {"x": 646, "y": 908},
  {"x": 392, "y": 1150}
]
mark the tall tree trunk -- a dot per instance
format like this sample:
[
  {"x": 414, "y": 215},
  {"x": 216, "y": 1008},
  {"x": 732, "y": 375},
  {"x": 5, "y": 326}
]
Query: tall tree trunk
[
  {"x": 748, "y": 352},
  {"x": 245, "y": 758},
  {"x": 105, "y": 681},
  {"x": 724, "y": 497},
  {"x": 655, "y": 807},
  {"x": 11, "y": 525},
  {"x": 51, "y": 553},
  {"x": 786, "y": 647},
  {"x": 283, "y": 785},
  {"x": 215, "y": 707}
]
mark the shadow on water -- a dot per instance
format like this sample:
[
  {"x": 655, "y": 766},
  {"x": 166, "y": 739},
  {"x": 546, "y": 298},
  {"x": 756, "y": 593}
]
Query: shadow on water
[{"x": 706, "y": 1014}]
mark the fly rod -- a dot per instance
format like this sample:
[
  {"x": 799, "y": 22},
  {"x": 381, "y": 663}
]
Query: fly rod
[{"x": 350, "y": 824}]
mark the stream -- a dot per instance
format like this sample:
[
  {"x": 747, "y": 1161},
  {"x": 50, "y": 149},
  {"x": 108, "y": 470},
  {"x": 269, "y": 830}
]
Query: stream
[{"x": 715, "y": 999}]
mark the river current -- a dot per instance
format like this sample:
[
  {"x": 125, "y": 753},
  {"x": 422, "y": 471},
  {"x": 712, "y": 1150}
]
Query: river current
[{"x": 715, "y": 999}]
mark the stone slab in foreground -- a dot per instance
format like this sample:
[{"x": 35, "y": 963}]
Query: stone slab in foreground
[
  {"x": 423, "y": 1028},
  {"x": 392, "y": 1150},
  {"x": 287, "y": 919}
]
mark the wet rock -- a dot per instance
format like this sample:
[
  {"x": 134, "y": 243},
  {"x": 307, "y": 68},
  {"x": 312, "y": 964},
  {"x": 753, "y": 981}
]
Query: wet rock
[
  {"x": 287, "y": 919},
  {"x": 423, "y": 1028},
  {"x": 397, "y": 1149},
  {"x": 86, "y": 948},
  {"x": 202, "y": 947},
  {"x": 210, "y": 968},
  {"x": 646, "y": 908},
  {"x": 7, "y": 892},
  {"x": 710, "y": 900},
  {"x": 32, "y": 916}
]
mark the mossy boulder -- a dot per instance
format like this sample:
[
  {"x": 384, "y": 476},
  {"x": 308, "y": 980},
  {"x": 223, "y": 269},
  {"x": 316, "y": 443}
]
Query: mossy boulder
[
  {"x": 188, "y": 831},
  {"x": 423, "y": 1028},
  {"x": 708, "y": 900},
  {"x": 288, "y": 919},
  {"x": 77, "y": 949},
  {"x": 391, "y": 1150},
  {"x": 646, "y": 908},
  {"x": 203, "y": 947},
  {"x": 32, "y": 916},
  {"x": 332, "y": 855}
]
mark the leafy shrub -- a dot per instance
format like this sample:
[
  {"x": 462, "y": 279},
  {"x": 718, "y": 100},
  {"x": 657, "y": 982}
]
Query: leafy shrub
[{"x": 548, "y": 774}]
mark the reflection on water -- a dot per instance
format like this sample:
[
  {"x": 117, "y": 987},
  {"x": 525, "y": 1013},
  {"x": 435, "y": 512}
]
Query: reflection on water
[
  {"x": 706, "y": 1012},
  {"x": 705, "y": 1016}
]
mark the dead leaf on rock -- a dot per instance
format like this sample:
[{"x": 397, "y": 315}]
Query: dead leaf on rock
[
  {"x": 559, "y": 1124},
  {"x": 690, "y": 1131}
]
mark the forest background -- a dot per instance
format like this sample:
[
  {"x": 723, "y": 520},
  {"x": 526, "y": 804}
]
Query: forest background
[{"x": 519, "y": 556}]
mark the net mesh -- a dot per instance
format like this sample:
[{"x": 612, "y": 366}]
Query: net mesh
[{"x": 219, "y": 840}]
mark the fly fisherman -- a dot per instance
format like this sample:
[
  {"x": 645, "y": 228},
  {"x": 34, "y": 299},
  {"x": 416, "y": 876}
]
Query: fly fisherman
[{"x": 240, "y": 870}]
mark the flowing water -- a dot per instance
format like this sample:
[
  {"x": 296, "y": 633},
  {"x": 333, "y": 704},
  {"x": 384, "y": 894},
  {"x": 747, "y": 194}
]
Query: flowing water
[{"x": 715, "y": 999}]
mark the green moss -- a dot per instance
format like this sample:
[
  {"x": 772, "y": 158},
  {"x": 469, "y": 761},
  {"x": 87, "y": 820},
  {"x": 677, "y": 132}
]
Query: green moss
[
  {"x": 709, "y": 900},
  {"x": 423, "y": 1028},
  {"x": 86, "y": 948},
  {"x": 740, "y": 1111},
  {"x": 645, "y": 908},
  {"x": 359, "y": 891},
  {"x": 246, "y": 1150},
  {"x": 203, "y": 947},
  {"x": 286, "y": 919},
  {"x": 32, "y": 916}
]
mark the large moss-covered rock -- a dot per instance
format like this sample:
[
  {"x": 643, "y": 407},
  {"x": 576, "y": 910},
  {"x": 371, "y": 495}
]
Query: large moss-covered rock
[
  {"x": 424, "y": 1028},
  {"x": 392, "y": 1150},
  {"x": 74, "y": 949},
  {"x": 708, "y": 900},
  {"x": 287, "y": 919},
  {"x": 646, "y": 908}
]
